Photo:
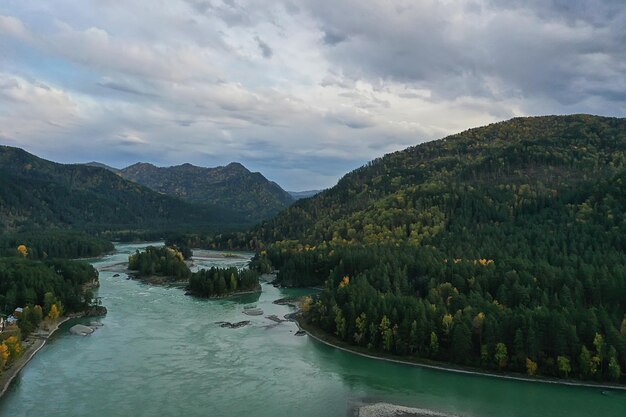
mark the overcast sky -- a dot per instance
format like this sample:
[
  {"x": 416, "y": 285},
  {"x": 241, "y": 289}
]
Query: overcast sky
[{"x": 300, "y": 90}]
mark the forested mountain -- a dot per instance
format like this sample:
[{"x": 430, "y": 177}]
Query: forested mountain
[
  {"x": 36, "y": 194},
  {"x": 232, "y": 187},
  {"x": 501, "y": 247},
  {"x": 508, "y": 168},
  {"x": 101, "y": 165}
]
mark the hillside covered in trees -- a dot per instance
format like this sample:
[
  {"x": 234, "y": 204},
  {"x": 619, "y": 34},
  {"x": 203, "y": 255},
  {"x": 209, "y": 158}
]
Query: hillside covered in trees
[
  {"x": 501, "y": 247},
  {"x": 38, "y": 194},
  {"x": 232, "y": 187}
]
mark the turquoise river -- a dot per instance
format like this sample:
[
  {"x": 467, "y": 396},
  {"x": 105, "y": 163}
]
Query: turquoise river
[{"x": 160, "y": 353}]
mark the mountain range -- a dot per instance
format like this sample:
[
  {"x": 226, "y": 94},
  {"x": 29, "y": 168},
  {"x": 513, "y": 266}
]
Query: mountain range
[
  {"x": 36, "y": 194},
  {"x": 232, "y": 187}
]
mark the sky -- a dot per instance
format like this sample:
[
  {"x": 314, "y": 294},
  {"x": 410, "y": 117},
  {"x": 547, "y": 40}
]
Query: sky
[{"x": 301, "y": 90}]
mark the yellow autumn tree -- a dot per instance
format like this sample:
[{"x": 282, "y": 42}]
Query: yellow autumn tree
[
  {"x": 531, "y": 367},
  {"x": 344, "y": 282},
  {"x": 54, "y": 313},
  {"x": 447, "y": 323},
  {"x": 4, "y": 356},
  {"x": 305, "y": 304},
  {"x": 14, "y": 347},
  {"x": 23, "y": 250}
]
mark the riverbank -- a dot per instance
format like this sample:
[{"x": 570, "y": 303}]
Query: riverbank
[
  {"x": 8, "y": 375},
  {"x": 333, "y": 342}
]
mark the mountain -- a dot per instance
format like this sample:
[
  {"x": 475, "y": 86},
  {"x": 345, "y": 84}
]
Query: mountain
[
  {"x": 502, "y": 248},
  {"x": 101, "y": 165},
  {"x": 35, "y": 193},
  {"x": 232, "y": 187},
  {"x": 484, "y": 175},
  {"x": 297, "y": 195}
]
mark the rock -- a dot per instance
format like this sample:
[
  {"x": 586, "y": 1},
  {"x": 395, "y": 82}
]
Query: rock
[
  {"x": 300, "y": 333},
  {"x": 253, "y": 312},
  {"x": 229, "y": 325},
  {"x": 275, "y": 318},
  {"x": 116, "y": 275},
  {"x": 81, "y": 330},
  {"x": 96, "y": 311}
]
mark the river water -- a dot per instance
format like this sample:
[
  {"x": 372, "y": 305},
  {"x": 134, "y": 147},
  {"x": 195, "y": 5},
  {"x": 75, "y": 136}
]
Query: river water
[{"x": 160, "y": 353}]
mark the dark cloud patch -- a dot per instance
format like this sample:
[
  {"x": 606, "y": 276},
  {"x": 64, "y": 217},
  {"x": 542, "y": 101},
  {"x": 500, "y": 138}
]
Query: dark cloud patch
[
  {"x": 333, "y": 38},
  {"x": 489, "y": 48},
  {"x": 265, "y": 48},
  {"x": 351, "y": 119},
  {"x": 229, "y": 11},
  {"x": 124, "y": 88},
  {"x": 200, "y": 6}
]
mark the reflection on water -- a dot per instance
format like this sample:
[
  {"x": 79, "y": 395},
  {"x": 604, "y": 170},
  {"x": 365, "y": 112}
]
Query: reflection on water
[{"x": 162, "y": 353}]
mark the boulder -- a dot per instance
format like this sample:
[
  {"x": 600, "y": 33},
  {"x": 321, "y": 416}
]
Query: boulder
[{"x": 81, "y": 330}]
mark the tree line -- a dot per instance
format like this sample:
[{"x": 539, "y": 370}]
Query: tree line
[{"x": 170, "y": 262}]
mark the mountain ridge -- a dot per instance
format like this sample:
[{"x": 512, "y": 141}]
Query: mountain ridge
[
  {"x": 36, "y": 193},
  {"x": 230, "y": 187}
]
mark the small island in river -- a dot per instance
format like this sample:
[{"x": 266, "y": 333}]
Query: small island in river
[{"x": 166, "y": 265}]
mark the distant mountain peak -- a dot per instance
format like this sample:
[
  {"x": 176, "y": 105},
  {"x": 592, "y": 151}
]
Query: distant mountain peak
[
  {"x": 231, "y": 187},
  {"x": 101, "y": 165},
  {"x": 236, "y": 166},
  {"x": 140, "y": 165}
]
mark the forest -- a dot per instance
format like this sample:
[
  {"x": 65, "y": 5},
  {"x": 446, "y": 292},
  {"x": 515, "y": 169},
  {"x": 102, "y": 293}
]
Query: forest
[
  {"x": 164, "y": 261},
  {"x": 169, "y": 262},
  {"x": 38, "y": 275},
  {"x": 54, "y": 244},
  {"x": 502, "y": 247},
  {"x": 25, "y": 282},
  {"x": 219, "y": 282}
]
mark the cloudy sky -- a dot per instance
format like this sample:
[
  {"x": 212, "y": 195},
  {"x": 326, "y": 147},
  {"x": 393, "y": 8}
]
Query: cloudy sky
[{"x": 301, "y": 90}]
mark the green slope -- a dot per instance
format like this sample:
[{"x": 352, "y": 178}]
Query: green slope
[
  {"x": 413, "y": 194},
  {"x": 502, "y": 247},
  {"x": 36, "y": 194},
  {"x": 232, "y": 187}
]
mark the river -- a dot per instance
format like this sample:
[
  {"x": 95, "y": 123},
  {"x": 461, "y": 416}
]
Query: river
[{"x": 160, "y": 353}]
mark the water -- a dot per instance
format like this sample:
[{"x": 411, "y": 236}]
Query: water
[{"x": 161, "y": 353}]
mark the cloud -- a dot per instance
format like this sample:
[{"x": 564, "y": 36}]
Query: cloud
[
  {"x": 301, "y": 91},
  {"x": 14, "y": 27},
  {"x": 123, "y": 87},
  {"x": 333, "y": 38},
  {"x": 265, "y": 49}
]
